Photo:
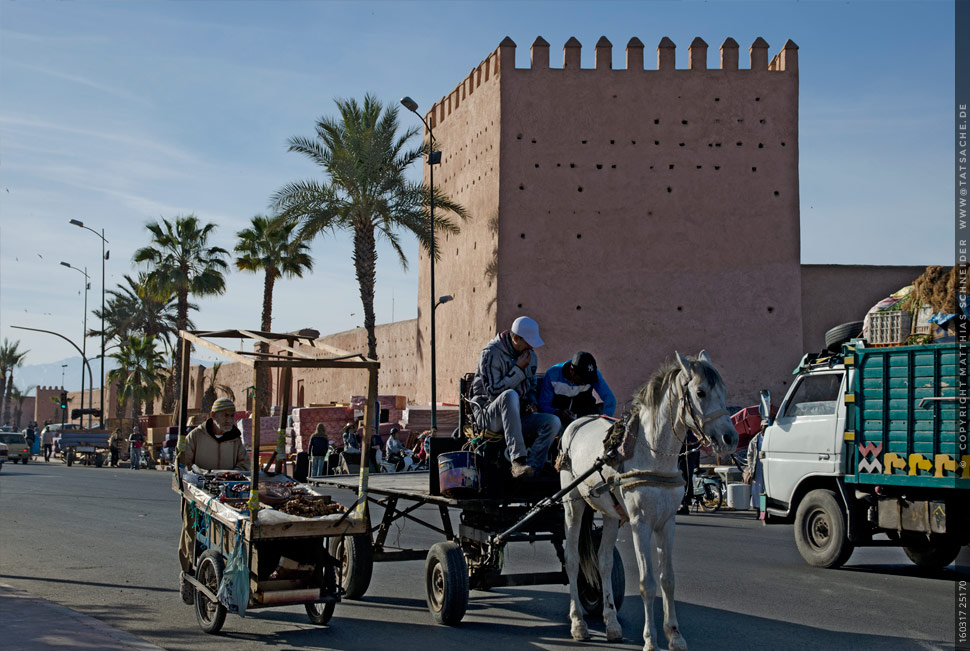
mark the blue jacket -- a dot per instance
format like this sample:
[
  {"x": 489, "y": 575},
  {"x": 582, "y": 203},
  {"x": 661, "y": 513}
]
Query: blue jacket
[{"x": 559, "y": 393}]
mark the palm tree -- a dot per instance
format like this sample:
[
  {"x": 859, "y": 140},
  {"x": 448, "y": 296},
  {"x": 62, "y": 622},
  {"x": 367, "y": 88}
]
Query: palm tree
[
  {"x": 140, "y": 373},
  {"x": 365, "y": 191},
  {"x": 10, "y": 359},
  {"x": 18, "y": 397},
  {"x": 133, "y": 309},
  {"x": 213, "y": 388},
  {"x": 182, "y": 263},
  {"x": 268, "y": 245}
]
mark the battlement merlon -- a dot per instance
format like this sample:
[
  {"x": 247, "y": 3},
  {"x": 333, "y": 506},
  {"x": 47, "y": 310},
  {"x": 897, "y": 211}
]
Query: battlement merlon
[{"x": 504, "y": 57}]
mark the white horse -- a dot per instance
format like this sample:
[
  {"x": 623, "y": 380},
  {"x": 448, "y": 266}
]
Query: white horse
[{"x": 647, "y": 488}]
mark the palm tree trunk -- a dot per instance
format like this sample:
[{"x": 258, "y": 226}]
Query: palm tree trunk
[
  {"x": 265, "y": 399},
  {"x": 8, "y": 398},
  {"x": 365, "y": 264},
  {"x": 181, "y": 319},
  {"x": 3, "y": 389}
]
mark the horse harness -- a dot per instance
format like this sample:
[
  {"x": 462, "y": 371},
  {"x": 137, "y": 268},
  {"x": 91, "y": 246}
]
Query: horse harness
[{"x": 637, "y": 478}]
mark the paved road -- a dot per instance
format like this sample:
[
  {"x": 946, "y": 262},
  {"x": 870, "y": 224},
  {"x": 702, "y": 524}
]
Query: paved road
[{"x": 101, "y": 541}]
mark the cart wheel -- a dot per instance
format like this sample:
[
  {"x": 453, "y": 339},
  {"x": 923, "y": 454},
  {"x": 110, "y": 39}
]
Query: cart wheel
[
  {"x": 356, "y": 559},
  {"x": 99, "y": 459},
  {"x": 320, "y": 614},
  {"x": 712, "y": 498},
  {"x": 69, "y": 458},
  {"x": 446, "y": 583},
  {"x": 591, "y": 593},
  {"x": 210, "y": 615}
]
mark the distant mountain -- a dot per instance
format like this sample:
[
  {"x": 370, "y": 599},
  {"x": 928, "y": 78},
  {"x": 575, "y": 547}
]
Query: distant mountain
[{"x": 47, "y": 375}]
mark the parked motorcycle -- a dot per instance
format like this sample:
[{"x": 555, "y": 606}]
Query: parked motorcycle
[{"x": 708, "y": 493}]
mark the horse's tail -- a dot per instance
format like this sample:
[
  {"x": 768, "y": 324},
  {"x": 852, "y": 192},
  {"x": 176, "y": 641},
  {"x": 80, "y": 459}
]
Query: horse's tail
[{"x": 588, "y": 561}]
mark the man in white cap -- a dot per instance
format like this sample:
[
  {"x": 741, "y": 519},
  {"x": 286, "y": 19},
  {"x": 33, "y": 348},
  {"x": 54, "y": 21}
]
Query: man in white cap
[
  {"x": 505, "y": 390},
  {"x": 216, "y": 444}
]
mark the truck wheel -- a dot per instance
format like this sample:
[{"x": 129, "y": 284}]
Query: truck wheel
[
  {"x": 934, "y": 554},
  {"x": 69, "y": 458},
  {"x": 356, "y": 557},
  {"x": 446, "y": 583},
  {"x": 820, "y": 531},
  {"x": 840, "y": 334},
  {"x": 210, "y": 615},
  {"x": 99, "y": 459}
]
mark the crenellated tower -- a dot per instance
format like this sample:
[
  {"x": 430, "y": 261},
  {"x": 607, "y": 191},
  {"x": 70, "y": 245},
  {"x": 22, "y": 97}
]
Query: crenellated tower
[{"x": 631, "y": 211}]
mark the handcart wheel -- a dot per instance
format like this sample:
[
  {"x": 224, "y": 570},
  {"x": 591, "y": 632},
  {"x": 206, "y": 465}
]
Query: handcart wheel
[
  {"x": 446, "y": 583},
  {"x": 320, "y": 614},
  {"x": 590, "y": 595},
  {"x": 210, "y": 615},
  {"x": 356, "y": 559},
  {"x": 69, "y": 458}
]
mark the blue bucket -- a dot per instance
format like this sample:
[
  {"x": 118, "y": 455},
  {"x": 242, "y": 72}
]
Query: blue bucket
[{"x": 459, "y": 474}]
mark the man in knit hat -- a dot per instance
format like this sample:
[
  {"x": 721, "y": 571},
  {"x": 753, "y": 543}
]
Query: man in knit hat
[{"x": 214, "y": 445}]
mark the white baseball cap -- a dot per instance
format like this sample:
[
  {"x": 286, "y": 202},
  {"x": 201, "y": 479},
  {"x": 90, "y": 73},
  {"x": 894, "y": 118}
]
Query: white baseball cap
[{"x": 528, "y": 329}]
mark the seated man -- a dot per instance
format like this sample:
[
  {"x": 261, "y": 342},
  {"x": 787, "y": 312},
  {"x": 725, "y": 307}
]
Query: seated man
[
  {"x": 567, "y": 390},
  {"x": 393, "y": 447},
  {"x": 504, "y": 388},
  {"x": 215, "y": 445},
  {"x": 351, "y": 442}
]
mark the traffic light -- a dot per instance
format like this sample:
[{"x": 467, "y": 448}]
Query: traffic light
[{"x": 64, "y": 400}]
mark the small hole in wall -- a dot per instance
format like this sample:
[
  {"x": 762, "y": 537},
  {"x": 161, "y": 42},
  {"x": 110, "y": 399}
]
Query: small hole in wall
[
  {"x": 770, "y": 309},
  {"x": 680, "y": 308},
  {"x": 651, "y": 167},
  {"x": 738, "y": 143},
  {"x": 533, "y": 141},
  {"x": 656, "y": 142},
  {"x": 754, "y": 169},
  {"x": 699, "y": 166},
  {"x": 683, "y": 121},
  {"x": 757, "y": 99},
  {"x": 761, "y": 121},
  {"x": 579, "y": 307},
  {"x": 717, "y": 144},
  {"x": 572, "y": 164},
  {"x": 520, "y": 306},
  {"x": 613, "y": 167},
  {"x": 522, "y": 187},
  {"x": 670, "y": 167},
  {"x": 717, "y": 167},
  {"x": 782, "y": 144},
  {"x": 584, "y": 142},
  {"x": 599, "y": 166},
  {"x": 522, "y": 235},
  {"x": 669, "y": 189},
  {"x": 537, "y": 165},
  {"x": 518, "y": 137},
  {"x": 579, "y": 236},
  {"x": 777, "y": 193},
  {"x": 649, "y": 212},
  {"x": 558, "y": 164},
  {"x": 633, "y": 142},
  {"x": 612, "y": 142},
  {"x": 761, "y": 145},
  {"x": 682, "y": 144},
  {"x": 656, "y": 121},
  {"x": 579, "y": 189},
  {"x": 717, "y": 99},
  {"x": 740, "y": 121}
]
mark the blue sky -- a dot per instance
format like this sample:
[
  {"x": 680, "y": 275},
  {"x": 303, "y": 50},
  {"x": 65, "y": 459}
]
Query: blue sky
[{"x": 120, "y": 113}]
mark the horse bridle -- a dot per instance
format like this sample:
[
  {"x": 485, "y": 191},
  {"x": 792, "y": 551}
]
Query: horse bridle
[{"x": 692, "y": 421}]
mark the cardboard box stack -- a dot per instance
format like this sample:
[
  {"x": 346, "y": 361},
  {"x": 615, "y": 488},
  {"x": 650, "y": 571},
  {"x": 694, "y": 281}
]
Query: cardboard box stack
[
  {"x": 418, "y": 418},
  {"x": 334, "y": 418},
  {"x": 267, "y": 431}
]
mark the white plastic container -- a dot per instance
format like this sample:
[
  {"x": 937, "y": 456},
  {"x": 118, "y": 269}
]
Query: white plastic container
[{"x": 739, "y": 497}]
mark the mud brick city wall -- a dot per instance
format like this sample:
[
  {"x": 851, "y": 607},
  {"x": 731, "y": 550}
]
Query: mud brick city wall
[{"x": 633, "y": 206}]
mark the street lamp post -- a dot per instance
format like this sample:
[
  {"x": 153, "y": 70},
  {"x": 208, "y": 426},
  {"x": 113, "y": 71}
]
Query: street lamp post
[
  {"x": 63, "y": 366},
  {"x": 104, "y": 256},
  {"x": 84, "y": 334},
  {"x": 434, "y": 158}
]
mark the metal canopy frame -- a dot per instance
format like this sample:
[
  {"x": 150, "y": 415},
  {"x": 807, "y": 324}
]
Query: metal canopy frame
[{"x": 312, "y": 354}]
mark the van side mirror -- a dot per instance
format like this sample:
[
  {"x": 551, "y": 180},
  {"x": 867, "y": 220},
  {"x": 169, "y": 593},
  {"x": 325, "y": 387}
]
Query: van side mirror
[{"x": 764, "y": 406}]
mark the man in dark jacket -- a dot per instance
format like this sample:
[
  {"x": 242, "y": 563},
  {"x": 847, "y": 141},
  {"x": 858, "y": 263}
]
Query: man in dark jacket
[{"x": 504, "y": 388}]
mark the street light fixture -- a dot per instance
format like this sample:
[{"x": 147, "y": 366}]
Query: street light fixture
[
  {"x": 434, "y": 158},
  {"x": 64, "y": 366},
  {"x": 442, "y": 300},
  {"x": 84, "y": 333},
  {"x": 104, "y": 256}
]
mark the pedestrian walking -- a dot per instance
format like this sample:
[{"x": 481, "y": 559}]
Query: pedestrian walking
[
  {"x": 47, "y": 440},
  {"x": 113, "y": 441},
  {"x": 317, "y": 447},
  {"x": 135, "y": 443},
  {"x": 31, "y": 437}
]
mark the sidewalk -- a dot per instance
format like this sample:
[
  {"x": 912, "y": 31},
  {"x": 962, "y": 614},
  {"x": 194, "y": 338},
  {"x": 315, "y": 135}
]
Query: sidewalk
[{"x": 34, "y": 624}]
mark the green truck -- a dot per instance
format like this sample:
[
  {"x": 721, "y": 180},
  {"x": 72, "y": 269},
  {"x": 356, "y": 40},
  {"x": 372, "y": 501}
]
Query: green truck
[{"x": 869, "y": 447}]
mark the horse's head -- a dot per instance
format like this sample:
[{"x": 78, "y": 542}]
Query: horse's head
[{"x": 706, "y": 394}]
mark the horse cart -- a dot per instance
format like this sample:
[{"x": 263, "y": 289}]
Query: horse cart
[
  {"x": 262, "y": 539},
  {"x": 493, "y": 510}
]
